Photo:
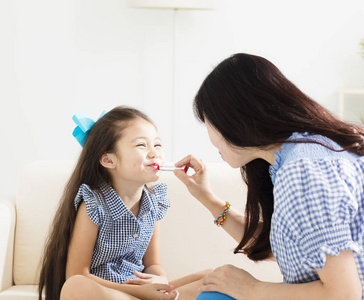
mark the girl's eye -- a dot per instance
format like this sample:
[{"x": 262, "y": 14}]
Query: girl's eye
[
  {"x": 141, "y": 145},
  {"x": 158, "y": 145}
]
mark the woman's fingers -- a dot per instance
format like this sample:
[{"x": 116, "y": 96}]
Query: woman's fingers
[
  {"x": 209, "y": 288},
  {"x": 212, "y": 278},
  {"x": 231, "y": 281},
  {"x": 210, "y": 283},
  {"x": 190, "y": 161},
  {"x": 183, "y": 162},
  {"x": 197, "y": 183}
]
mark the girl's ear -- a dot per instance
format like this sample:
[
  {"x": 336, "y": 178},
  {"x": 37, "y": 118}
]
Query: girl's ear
[{"x": 107, "y": 161}]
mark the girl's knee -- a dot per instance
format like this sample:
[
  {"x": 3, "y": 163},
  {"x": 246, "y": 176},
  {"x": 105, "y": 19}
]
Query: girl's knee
[{"x": 73, "y": 287}]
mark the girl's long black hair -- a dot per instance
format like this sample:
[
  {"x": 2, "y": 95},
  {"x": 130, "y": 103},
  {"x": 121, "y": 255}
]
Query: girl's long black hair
[{"x": 252, "y": 104}]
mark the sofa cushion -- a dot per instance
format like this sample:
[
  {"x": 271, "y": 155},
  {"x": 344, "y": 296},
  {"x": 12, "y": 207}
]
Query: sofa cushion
[
  {"x": 40, "y": 187},
  {"x": 20, "y": 292}
]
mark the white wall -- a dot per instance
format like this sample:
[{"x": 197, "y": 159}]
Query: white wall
[{"x": 58, "y": 57}]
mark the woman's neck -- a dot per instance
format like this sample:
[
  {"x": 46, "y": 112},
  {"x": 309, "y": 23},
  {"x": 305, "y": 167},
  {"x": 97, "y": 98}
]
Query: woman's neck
[{"x": 269, "y": 154}]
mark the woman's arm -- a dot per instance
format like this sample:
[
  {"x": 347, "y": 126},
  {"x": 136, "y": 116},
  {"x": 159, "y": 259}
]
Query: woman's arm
[
  {"x": 79, "y": 260},
  {"x": 339, "y": 280},
  {"x": 199, "y": 187}
]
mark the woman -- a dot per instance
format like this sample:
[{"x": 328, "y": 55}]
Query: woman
[{"x": 304, "y": 169}]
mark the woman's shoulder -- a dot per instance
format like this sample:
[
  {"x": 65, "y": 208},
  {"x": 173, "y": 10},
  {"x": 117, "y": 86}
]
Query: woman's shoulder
[
  {"x": 310, "y": 146},
  {"x": 301, "y": 147}
]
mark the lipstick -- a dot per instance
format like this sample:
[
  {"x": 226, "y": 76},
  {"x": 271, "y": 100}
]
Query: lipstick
[{"x": 172, "y": 168}]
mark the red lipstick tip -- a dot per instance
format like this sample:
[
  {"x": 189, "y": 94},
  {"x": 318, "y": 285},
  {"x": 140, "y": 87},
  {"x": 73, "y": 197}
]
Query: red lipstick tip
[{"x": 155, "y": 167}]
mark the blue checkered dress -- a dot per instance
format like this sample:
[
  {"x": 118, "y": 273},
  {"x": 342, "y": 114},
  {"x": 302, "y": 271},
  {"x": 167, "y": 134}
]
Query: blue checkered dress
[
  {"x": 122, "y": 238},
  {"x": 318, "y": 207}
]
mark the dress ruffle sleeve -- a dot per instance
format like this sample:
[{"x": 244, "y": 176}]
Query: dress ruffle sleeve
[
  {"x": 91, "y": 199},
  {"x": 316, "y": 203},
  {"x": 274, "y": 168},
  {"x": 162, "y": 201}
]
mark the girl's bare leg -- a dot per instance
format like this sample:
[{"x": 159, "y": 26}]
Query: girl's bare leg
[
  {"x": 79, "y": 287},
  {"x": 188, "y": 286}
]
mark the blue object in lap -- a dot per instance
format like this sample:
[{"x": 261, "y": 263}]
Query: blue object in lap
[{"x": 213, "y": 296}]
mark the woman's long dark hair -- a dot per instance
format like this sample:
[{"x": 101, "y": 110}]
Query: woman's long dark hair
[
  {"x": 252, "y": 104},
  {"x": 101, "y": 139}
]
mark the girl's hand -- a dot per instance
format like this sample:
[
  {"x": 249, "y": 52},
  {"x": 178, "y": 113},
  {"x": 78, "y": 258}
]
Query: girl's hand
[
  {"x": 156, "y": 292},
  {"x": 197, "y": 184},
  {"x": 231, "y": 281},
  {"x": 146, "y": 279}
]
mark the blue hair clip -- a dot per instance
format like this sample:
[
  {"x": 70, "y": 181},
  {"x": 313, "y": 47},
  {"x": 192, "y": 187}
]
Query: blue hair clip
[{"x": 84, "y": 124}]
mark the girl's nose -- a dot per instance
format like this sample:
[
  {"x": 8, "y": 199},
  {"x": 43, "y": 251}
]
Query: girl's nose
[{"x": 152, "y": 153}]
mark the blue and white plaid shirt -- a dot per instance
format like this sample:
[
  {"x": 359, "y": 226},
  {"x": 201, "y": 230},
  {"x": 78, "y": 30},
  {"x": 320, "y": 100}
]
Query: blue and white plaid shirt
[
  {"x": 122, "y": 238},
  {"x": 318, "y": 207}
]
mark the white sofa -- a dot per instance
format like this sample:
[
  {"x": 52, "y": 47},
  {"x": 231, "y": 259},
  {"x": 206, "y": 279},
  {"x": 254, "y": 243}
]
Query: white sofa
[{"x": 189, "y": 240}]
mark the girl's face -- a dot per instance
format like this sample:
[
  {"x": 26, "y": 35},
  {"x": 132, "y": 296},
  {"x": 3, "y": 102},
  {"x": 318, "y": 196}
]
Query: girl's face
[
  {"x": 139, "y": 150},
  {"x": 235, "y": 157}
]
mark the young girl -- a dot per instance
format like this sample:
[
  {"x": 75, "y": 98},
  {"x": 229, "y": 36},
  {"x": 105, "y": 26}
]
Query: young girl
[
  {"x": 104, "y": 239},
  {"x": 304, "y": 169}
]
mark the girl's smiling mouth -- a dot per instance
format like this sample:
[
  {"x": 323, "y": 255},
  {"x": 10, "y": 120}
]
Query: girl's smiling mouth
[{"x": 155, "y": 166}]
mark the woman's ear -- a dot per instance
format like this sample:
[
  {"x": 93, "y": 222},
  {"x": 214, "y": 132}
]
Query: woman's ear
[{"x": 107, "y": 161}]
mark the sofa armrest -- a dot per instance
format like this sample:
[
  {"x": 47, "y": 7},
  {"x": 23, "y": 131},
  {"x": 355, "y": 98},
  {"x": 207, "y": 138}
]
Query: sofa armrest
[{"x": 7, "y": 226}]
